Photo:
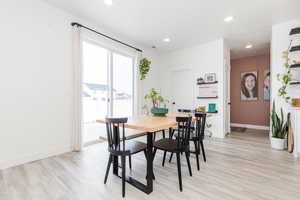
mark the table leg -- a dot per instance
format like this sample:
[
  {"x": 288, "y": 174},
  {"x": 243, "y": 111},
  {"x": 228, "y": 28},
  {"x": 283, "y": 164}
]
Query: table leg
[
  {"x": 148, "y": 188},
  {"x": 150, "y": 162}
]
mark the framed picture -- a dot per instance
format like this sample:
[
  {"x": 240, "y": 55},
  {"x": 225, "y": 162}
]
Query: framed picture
[
  {"x": 210, "y": 77},
  {"x": 267, "y": 85},
  {"x": 249, "y": 86},
  {"x": 208, "y": 91}
]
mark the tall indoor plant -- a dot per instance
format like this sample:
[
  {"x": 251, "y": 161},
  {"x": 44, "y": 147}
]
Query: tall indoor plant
[
  {"x": 156, "y": 100},
  {"x": 279, "y": 129}
]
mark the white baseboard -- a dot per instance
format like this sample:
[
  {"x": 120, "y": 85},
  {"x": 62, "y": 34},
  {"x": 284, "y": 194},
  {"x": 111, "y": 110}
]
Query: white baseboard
[
  {"x": 267, "y": 128},
  {"x": 33, "y": 157}
]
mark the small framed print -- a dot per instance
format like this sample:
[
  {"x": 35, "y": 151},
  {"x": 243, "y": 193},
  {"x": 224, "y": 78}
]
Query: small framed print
[{"x": 210, "y": 77}]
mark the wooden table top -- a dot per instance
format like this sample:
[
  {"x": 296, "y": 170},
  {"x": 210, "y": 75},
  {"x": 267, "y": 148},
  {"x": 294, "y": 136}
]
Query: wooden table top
[{"x": 149, "y": 123}]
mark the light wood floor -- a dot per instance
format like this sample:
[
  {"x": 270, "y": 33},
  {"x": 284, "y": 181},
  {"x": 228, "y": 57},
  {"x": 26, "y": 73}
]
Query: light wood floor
[{"x": 242, "y": 167}]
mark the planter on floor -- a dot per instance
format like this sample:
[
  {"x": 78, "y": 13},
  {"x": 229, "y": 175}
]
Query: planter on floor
[{"x": 278, "y": 143}]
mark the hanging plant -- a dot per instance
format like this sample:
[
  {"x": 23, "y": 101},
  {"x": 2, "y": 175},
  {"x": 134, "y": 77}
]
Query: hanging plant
[
  {"x": 286, "y": 77},
  {"x": 144, "y": 68}
]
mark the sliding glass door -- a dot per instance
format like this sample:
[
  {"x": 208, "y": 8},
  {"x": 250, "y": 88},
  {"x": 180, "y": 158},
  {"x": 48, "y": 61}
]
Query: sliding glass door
[
  {"x": 122, "y": 85},
  {"x": 107, "y": 88}
]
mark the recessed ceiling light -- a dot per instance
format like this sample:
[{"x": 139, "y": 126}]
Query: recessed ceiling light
[
  {"x": 248, "y": 46},
  {"x": 108, "y": 2},
  {"x": 228, "y": 19},
  {"x": 167, "y": 40}
]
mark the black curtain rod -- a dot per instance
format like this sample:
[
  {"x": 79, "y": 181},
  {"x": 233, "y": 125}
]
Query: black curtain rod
[{"x": 128, "y": 45}]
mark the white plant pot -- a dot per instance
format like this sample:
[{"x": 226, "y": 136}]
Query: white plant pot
[{"x": 278, "y": 144}]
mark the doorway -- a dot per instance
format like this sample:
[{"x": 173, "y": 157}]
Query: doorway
[
  {"x": 107, "y": 88},
  {"x": 250, "y": 95}
]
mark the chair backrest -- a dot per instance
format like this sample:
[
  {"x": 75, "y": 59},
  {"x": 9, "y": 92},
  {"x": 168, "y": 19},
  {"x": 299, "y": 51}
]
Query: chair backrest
[
  {"x": 115, "y": 140},
  {"x": 200, "y": 124},
  {"x": 184, "y": 130}
]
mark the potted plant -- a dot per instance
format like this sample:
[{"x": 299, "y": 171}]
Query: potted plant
[
  {"x": 156, "y": 101},
  {"x": 279, "y": 130},
  {"x": 144, "y": 68}
]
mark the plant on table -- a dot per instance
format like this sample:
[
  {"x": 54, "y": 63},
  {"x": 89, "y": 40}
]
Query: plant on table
[{"x": 156, "y": 100}]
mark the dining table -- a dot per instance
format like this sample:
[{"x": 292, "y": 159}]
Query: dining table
[{"x": 148, "y": 125}]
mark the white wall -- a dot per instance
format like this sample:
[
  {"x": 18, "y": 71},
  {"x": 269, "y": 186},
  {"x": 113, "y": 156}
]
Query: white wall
[
  {"x": 200, "y": 59},
  {"x": 36, "y": 81},
  {"x": 280, "y": 43}
]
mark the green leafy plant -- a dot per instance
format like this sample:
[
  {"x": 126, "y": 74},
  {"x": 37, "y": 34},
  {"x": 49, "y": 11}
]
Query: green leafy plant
[
  {"x": 144, "y": 68},
  {"x": 286, "y": 77},
  {"x": 279, "y": 124},
  {"x": 156, "y": 98},
  {"x": 208, "y": 129}
]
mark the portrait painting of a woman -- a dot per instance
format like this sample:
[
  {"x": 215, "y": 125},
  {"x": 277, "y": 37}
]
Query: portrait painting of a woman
[{"x": 249, "y": 86}]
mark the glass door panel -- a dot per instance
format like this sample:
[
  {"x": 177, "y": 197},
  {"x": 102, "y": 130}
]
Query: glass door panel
[
  {"x": 94, "y": 89},
  {"x": 122, "y": 85}
]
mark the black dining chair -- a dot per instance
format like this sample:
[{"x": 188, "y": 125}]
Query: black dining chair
[
  {"x": 197, "y": 137},
  {"x": 186, "y": 111},
  {"x": 118, "y": 146},
  {"x": 178, "y": 145}
]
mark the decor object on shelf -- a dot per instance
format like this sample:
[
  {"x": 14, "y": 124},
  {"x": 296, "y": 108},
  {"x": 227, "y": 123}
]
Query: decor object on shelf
[
  {"x": 144, "y": 68},
  {"x": 208, "y": 91},
  {"x": 279, "y": 129},
  {"x": 210, "y": 77},
  {"x": 156, "y": 100},
  {"x": 200, "y": 80},
  {"x": 212, "y": 108},
  {"x": 285, "y": 78},
  {"x": 201, "y": 109},
  {"x": 249, "y": 86},
  {"x": 296, "y": 102},
  {"x": 296, "y": 62},
  {"x": 295, "y": 31},
  {"x": 267, "y": 87}
]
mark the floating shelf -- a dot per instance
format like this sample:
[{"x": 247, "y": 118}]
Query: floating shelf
[
  {"x": 212, "y": 112},
  {"x": 207, "y": 97},
  {"x": 295, "y": 83},
  {"x": 295, "y": 48},
  {"x": 295, "y": 31},
  {"x": 295, "y": 66},
  {"x": 207, "y": 83}
]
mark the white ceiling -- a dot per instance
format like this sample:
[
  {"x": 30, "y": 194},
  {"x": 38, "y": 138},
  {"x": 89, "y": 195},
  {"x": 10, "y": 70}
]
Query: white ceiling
[{"x": 188, "y": 22}]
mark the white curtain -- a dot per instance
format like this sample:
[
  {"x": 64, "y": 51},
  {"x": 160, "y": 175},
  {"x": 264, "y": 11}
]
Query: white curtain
[
  {"x": 138, "y": 96},
  {"x": 77, "y": 66}
]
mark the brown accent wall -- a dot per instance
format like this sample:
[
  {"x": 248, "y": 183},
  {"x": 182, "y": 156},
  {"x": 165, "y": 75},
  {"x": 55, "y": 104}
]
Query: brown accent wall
[{"x": 249, "y": 112}]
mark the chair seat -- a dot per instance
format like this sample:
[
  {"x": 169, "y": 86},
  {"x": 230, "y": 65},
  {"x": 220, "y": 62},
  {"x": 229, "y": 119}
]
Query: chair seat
[
  {"x": 131, "y": 147},
  {"x": 167, "y": 144}
]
